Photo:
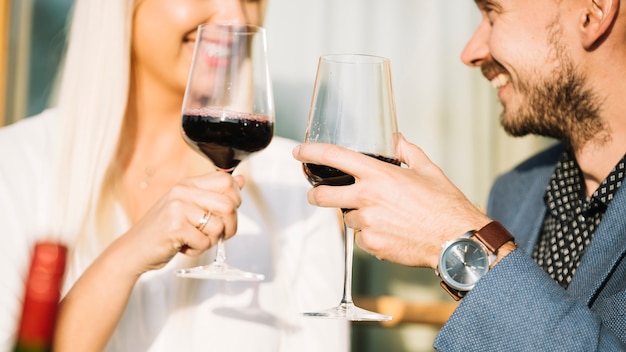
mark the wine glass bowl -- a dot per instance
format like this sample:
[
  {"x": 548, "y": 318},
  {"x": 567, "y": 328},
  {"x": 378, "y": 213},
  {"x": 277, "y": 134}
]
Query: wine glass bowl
[
  {"x": 226, "y": 137},
  {"x": 228, "y": 109},
  {"x": 228, "y": 112},
  {"x": 353, "y": 107}
]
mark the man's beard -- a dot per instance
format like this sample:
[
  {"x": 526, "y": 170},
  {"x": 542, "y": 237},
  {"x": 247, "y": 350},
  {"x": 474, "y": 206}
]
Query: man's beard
[{"x": 560, "y": 105}]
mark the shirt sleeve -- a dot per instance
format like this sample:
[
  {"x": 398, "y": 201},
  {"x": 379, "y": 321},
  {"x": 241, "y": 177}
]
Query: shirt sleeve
[{"x": 518, "y": 307}]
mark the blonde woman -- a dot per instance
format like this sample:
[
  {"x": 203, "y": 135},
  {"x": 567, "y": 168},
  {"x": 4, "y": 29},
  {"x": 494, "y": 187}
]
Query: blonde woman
[{"x": 107, "y": 172}]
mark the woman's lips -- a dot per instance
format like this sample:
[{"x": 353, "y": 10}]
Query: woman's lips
[{"x": 214, "y": 52}]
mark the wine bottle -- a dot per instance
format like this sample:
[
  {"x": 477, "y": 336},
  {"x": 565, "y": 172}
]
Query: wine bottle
[{"x": 41, "y": 298}]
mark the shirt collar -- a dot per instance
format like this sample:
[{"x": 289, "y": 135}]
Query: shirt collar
[{"x": 567, "y": 186}]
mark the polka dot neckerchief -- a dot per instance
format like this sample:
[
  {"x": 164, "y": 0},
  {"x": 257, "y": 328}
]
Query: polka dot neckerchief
[{"x": 571, "y": 218}]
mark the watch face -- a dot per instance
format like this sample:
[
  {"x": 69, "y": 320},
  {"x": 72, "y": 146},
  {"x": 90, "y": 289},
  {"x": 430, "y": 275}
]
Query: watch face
[{"x": 463, "y": 263}]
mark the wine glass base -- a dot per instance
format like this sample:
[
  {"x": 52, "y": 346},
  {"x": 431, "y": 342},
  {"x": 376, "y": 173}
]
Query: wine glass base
[
  {"x": 350, "y": 312},
  {"x": 219, "y": 272}
]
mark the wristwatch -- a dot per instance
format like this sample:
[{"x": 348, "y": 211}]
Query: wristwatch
[{"x": 467, "y": 259}]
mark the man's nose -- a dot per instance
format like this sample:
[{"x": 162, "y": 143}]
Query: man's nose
[{"x": 476, "y": 50}]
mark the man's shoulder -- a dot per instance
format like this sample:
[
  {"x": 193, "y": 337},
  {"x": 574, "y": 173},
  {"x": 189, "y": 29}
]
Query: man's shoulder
[
  {"x": 538, "y": 165},
  {"x": 546, "y": 158},
  {"x": 519, "y": 192},
  {"x": 528, "y": 179}
]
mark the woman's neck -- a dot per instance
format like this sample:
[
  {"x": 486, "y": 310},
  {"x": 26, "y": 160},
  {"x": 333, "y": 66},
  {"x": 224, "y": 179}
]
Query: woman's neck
[{"x": 153, "y": 155}]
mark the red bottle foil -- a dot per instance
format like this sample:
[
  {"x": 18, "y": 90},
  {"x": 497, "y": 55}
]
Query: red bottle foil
[{"x": 43, "y": 290}]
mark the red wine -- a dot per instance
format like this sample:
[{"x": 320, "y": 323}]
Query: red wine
[
  {"x": 326, "y": 175},
  {"x": 227, "y": 137}
]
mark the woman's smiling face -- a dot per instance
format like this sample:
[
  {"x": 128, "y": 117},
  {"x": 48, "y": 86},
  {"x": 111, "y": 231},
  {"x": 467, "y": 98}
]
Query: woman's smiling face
[{"x": 164, "y": 33}]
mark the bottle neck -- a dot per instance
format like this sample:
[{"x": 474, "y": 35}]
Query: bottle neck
[{"x": 41, "y": 297}]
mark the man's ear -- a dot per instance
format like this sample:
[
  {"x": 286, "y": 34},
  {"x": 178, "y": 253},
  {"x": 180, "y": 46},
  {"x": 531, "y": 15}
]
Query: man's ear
[{"x": 596, "y": 20}]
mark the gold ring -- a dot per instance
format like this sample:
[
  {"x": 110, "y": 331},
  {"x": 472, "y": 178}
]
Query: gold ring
[{"x": 204, "y": 220}]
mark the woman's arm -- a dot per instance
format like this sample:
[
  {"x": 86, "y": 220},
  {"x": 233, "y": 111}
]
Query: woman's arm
[{"x": 91, "y": 310}]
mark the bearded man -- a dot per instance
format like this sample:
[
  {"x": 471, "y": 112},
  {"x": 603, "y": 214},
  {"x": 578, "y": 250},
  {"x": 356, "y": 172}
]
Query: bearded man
[{"x": 555, "y": 227}]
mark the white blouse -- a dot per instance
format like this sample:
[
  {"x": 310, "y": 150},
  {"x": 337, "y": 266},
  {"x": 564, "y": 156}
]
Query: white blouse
[{"x": 295, "y": 245}]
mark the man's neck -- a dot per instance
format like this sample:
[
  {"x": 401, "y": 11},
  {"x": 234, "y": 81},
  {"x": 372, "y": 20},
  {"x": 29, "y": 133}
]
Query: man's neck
[{"x": 598, "y": 158}]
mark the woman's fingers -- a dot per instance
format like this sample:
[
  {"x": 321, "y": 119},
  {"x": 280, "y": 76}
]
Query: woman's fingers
[
  {"x": 217, "y": 193},
  {"x": 190, "y": 218},
  {"x": 209, "y": 229}
]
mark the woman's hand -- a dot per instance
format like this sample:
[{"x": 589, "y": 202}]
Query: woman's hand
[{"x": 173, "y": 224}]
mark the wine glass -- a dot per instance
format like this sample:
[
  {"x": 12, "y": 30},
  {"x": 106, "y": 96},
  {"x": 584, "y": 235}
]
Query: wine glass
[
  {"x": 228, "y": 112},
  {"x": 352, "y": 106}
]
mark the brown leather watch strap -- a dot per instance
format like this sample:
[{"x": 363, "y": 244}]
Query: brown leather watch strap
[
  {"x": 493, "y": 236},
  {"x": 454, "y": 293}
]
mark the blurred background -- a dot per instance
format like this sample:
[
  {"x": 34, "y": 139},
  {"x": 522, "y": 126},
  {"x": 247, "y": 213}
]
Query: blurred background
[{"x": 448, "y": 109}]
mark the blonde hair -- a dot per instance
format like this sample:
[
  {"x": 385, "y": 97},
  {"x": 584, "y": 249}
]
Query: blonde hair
[{"x": 91, "y": 107}]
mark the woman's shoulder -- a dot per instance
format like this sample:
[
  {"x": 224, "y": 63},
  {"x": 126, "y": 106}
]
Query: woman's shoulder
[
  {"x": 28, "y": 142},
  {"x": 29, "y": 133}
]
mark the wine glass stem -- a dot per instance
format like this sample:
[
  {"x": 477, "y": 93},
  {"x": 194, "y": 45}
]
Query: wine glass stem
[
  {"x": 347, "y": 277},
  {"x": 220, "y": 257}
]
